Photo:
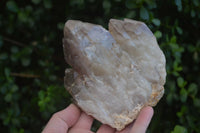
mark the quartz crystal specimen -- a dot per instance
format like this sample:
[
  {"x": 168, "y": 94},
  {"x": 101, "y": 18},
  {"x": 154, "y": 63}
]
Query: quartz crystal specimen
[{"x": 116, "y": 72}]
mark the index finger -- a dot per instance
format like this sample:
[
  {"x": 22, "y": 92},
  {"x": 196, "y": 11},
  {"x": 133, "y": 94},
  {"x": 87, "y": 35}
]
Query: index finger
[
  {"x": 142, "y": 120},
  {"x": 63, "y": 120}
]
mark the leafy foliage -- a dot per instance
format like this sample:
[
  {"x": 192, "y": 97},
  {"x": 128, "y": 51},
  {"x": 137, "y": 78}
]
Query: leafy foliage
[
  {"x": 32, "y": 64},
  {"x": 179, "y": 129}
]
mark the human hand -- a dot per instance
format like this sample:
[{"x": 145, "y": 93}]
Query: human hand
[{"x": 72, "y": 120}]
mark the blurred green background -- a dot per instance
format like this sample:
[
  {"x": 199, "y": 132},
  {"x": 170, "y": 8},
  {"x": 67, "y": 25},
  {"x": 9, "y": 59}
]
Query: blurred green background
[{"x": 32, "y": 63}]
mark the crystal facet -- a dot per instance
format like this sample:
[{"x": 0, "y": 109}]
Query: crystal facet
[{"x": 116, "y": 72}]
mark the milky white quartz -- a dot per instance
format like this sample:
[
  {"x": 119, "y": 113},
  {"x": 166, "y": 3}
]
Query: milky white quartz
[{"x": 116, "y": 72}]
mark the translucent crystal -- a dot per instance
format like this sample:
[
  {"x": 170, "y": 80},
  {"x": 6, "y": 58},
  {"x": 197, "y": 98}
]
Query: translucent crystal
[{"x": 116, "y": 72}]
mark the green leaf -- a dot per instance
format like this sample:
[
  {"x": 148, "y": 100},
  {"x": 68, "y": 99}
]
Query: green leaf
[
  {"x": 77, "y": 3},
  {"x": 60, "y": 26},
  {"x": 191, "y": 48},
  {"x": 151, "y": 4},
  {"x": 169, "y": 98},
  {"x": 41, "y": 94},
  {"x": 184, "y": 95},
  {"x": 193, "y": 13},
  {"x": 15, "y": 121},
  {"x": 36, "y": 1},
  {"x": 14, "y": 58},
  {"x": 182, "y": 112},
  {"x": 179, "y": 4},
  {"x": 21, "y": 130},
  {"x": 14, "y": 49},
  {"x": 25, "y": 61},
  {"x": 130, "y": 4},
  {"x": 144, "y": 13},
  {"x": 131, "y": 14},
  {"x": 193, "y": 89},
  {"x": 156, "y": 22},
  {"x": 179, "y": 129},
  {"x": 173, "y": 39},
  {"x": 196, "y": 2},
  {"x": 52, "y": 78},
  {"x": 14, "y": 88},
  {"x": 12, "y": 6},
  {"x": 28, "y": 50},
  {"x": 3, "y": 56},
  {"x": 196, "y": 102},
  {"x": 180, "y": 81},
  {"x": 47, "y": 4},
  {"x": 8, "y": 97},
  {"x": 106, "y": 5},
  {"x": 22, "y": 16},
  {"x": 158, "y": 34},
  {"x": 179, "y": 30},
  {"x": 7, "y": 72}
]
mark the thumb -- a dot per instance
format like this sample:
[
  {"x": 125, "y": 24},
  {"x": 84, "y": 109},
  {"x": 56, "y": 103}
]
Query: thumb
[{"x": 61, "y": 121}]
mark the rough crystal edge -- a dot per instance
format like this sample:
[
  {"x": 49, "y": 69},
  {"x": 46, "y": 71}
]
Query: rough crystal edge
[
  {"x": 156, "y": 95},
  {"x": 125, "y": 118}
]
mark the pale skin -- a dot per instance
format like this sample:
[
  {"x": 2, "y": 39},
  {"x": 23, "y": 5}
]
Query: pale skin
[{"x": 72, "y": 120}]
